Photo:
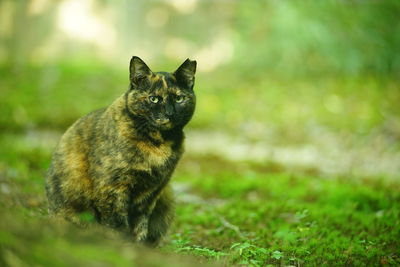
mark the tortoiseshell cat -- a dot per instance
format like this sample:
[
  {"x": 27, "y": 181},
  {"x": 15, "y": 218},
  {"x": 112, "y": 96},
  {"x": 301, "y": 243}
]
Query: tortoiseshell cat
[{"x": 116, "y": 162}]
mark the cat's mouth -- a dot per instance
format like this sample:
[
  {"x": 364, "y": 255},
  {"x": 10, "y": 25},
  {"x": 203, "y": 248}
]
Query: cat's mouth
[{"x": 163, "y": 123}]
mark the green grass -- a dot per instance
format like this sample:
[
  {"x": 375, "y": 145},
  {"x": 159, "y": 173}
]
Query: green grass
[
  {"x": 228, "y": 213},
  {"x": 259, "y": 218}
]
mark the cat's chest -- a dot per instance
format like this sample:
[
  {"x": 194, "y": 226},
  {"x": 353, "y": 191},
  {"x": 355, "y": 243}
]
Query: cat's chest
[
  {"x": 156, "y": 160},
  {"x": 154, "y": 155},
  {"x": 153, "y": 166},
  {"x": 142, "y": 162}
]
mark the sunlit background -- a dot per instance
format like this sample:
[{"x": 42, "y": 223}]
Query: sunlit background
[
  {"x": 346, "y": 37},
  {"x": 297, "y": 86}
]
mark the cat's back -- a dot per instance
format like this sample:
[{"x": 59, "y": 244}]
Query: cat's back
[{"x": 83, "y": 128}]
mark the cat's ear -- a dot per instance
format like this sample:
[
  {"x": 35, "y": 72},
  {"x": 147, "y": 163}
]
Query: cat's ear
[
  {"x": 185, "y": 73},
  {"x": 138, "y": 72}
]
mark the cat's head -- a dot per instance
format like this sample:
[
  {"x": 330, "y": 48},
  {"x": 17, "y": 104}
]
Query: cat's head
[{"x": 162, "y": 100}]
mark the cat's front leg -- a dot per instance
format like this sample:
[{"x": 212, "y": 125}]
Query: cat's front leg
[
  {"x": 160, "y": 218},
  {"x": 112, "y": 204},
  {"x": 119, "y": 211},
  {"x": 139, "y": 215}
]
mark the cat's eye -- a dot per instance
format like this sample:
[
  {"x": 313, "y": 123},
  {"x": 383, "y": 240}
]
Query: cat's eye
[
  {"x": 179, "y": 99},
  {"x": 154, "y": 99}
]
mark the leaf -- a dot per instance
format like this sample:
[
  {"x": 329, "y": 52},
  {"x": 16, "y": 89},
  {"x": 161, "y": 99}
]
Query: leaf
[{"x": 277, "y": 254}]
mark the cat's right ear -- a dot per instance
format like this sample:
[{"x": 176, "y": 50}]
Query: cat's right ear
[{"x": 138, "y": 72}]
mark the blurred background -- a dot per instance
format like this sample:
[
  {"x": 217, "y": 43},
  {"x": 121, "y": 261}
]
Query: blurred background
[
  {"x": 293, "y": 86},
  {"x": 298, "y": 82}
]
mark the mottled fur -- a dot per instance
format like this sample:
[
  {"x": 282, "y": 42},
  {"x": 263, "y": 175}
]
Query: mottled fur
[{"x": 115, "y": 163}]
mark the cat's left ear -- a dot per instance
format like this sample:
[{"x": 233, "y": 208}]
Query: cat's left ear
[{"x": 185, "y": 73}]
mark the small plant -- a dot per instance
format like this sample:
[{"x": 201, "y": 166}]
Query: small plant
[
  {"x": 277, "y": 255},
  {"x": 202, "y": 251},
  {"x": 249, "y": 254},
  {"x": 182, "y": 245}
]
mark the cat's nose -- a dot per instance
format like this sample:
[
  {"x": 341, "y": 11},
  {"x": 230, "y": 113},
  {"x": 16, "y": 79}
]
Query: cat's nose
[{"x": 169, "y": 110}]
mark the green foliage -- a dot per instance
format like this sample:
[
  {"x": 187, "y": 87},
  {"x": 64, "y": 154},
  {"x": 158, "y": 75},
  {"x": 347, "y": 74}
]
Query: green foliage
[
  {"x": 46, "y": 97},
  {"x": 313, "y": 38}
]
